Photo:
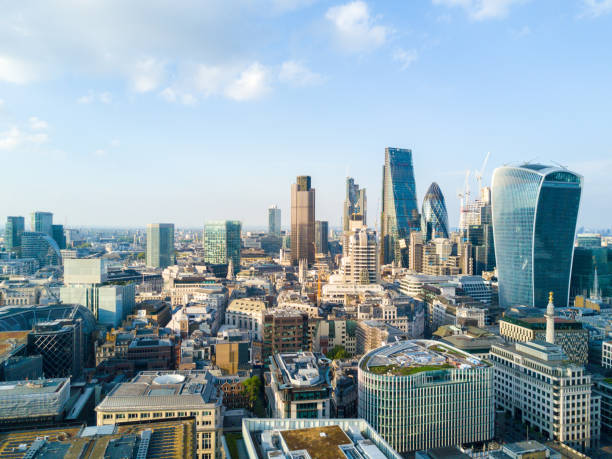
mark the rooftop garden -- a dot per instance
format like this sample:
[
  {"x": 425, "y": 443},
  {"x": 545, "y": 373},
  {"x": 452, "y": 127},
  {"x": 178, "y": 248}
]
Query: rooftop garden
[{"x": 406, "y": 371}]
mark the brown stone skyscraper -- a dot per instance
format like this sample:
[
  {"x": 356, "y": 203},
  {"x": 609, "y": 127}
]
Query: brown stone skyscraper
[{"x": 302, "y": 221}]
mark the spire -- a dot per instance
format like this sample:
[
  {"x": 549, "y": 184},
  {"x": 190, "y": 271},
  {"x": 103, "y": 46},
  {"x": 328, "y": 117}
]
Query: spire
[
  {"x": 550, "y": 320},
  {"x": 595, "y": 293},
  {"x": 230, "y": 270}
]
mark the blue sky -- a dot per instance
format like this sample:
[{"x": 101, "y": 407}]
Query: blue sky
[{"x": 123, "y": 113}]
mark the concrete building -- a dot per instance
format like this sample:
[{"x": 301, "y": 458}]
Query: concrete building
[
  {"x": 606, "y": 354},
  {"x": 284, "y": 330},
  {"x": 569, "y": 334},
  {"x": 302, "y": 221},
  {"x": 372, "y": 334},
  {"x": 422, "y": 394},
  {"x": 247, "y": 313},
  {"x": 152, "y": 396},
  {"x": 359, "y": 263},
  {"x": 536, "y": 384},
  {"x": 300, "y": 386},
  {"x": 314, "y": 438}
]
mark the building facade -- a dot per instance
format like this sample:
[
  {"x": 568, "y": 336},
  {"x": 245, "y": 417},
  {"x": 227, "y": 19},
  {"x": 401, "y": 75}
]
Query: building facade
[
  {"x": 321, "y": 237},
  {"x": 355, "y": 204},
  {"x": 302, "y": 221},
  {"x": 535, "y": 208},
  {"x": 42, "y": 222},
  {"x": 284, "y": 330},
  {"x": 274, "y": 220},
  {"x": 535, "y": 384},
  {"x": 12, "y": 233},
  {"x": 400, "y": 212},
  {"x": 160, "y": 245},
  {"x": 422, "y": 394},
  {"x": 222, "y": 243},
  {"x": 359, "y": 263},
  {"x": 41, "y": 247},
  {"x": 60, "y": 343},
  {"x": 434, "y": 217},
  {"x": 247, "y": 313}
]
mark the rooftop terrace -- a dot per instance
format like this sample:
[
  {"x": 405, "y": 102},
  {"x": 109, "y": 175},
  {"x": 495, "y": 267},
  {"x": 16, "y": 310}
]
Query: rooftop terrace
[{"x": 410, "y": 357}]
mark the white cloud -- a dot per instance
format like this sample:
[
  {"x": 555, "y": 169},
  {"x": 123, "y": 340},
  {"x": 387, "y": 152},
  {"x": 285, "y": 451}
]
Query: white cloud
[
  {"x": 596, "y": 8},
  {"x": 297, "y": 74},
  {"x": 209, "y": 80},
  {"x": 251, "y": 84},
  {"x": 10, "y": 139},
  {"x": 99, "y": 152},
  {"x": 481, "y": 10},
  {"x": 16, "y": 70},
  {"x": 147, "y": 74},
  {"x": 103, "y": 97},
  {"x": 37, "y": 124},
  {"x": 405, "y": 57},
  {"x": 354, "y": 28}
]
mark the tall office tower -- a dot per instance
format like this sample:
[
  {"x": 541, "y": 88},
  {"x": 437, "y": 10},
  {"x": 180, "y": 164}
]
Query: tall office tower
[
  {"x": 359, "y": 263},
  {"x": 41, "y": 247},
  {"x": 222, "y": 242},
  {"x": 160, "y": 245},
  {"x": 434, "y": 217},
  {"x": 321, "y": 237},
  {"x": 42, "y": 222},
  {"x": 57, "y": 233},
  {"x": 12, "y": 232},
  {"x": 302, "y": 221},
  {"x": 535, "y": 208},
  {"x": 60, "y": 342},
  {"x": 355, "y": 204},
  {"x": 400, "y": 212},
  {"x": 274, "y": 220}
]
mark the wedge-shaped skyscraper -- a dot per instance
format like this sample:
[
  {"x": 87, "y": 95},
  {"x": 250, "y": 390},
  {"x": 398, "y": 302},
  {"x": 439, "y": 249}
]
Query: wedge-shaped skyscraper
[
  {"x": 535, "y": 208},
  {"x": 434, "y": 217}
]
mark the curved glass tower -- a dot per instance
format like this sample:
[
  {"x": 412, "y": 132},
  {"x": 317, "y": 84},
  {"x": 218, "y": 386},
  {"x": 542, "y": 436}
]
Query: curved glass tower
[
  {"x": 434, "y": 217},
  {"x": 535, "y": 208},
  {"x": 400, "y": 212}
]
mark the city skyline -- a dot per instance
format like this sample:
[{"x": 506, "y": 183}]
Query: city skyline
[{"x": 114, "y": 113}]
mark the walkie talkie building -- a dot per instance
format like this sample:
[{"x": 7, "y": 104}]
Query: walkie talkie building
[{"x": 535, "y": 208}]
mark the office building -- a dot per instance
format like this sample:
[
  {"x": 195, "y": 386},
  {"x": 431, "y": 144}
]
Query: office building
[
  {"x": 160, "y": 245},
  {"x": 12, "y": 233},
  {"x": 41, "y": 247},
  {"x": 535, "y": 208},
  {"x": 162, "y": 395},
  {"x": 569, "y": 334},
  {"x": 592, "y": 273},
  {"x": 606, "y": 354},
  {"x": 284, "y": 330},
  {"x": 42, "y": 222},
  {"x": 274, "y": 220},
  {"x": 60, "y": 343},
  {"x": 588, "y": 240},
  {"x": 42, "y": 401},
  {"x": 400, "y": 212},
  {"x": 359, "y": 264},
  {"x": 222, "y": 243},
  {"x": 434, "y": 217},
  {"x": 300, "y": 386},
  {"x": 314, "y": 438},
  {"x": 355, "y": 204},
  {"x": 603, "y": 388},
  {"x": 57, "y": 233},
  {"x": 302, "y": 221},
  {"x": 247, "y": 313},
  {"x": 535, "y": 384},
  {"x": 321, "y": 237},
  {"x": 423, "y": 394}
]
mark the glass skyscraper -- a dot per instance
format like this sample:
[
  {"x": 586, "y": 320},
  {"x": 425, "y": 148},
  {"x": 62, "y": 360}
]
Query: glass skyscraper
[
  {"x": 222, "y": 242},
  {"x": 535, "y": 208},
  {"x": 42, "y": 222},
  {"x": 355, "y": 204},
  {"x": 160, "y": 245},
  {"x": 41, "y": 247},
  {"x": 322, "y": 237},
  {"x": 400, "y": 212},
  {"x": 302, "y": 221},
  {"x": 274, "y": 220},
  {"x": 434, "y": 216},
  {"x": 12, "y": 232}
]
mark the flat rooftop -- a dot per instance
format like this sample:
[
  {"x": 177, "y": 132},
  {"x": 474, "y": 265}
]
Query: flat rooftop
[
  {"x": 406, "y": 358},
  {"x": 34, "y": 387},
  {"x": 320, "y": 442},
  {"x": 302, "y": 368}
]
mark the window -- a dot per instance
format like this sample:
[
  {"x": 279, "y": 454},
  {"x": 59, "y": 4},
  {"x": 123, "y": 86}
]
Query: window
[
  {"x": 169, "y": 414},
  {"x": 107, "y": 416},
  {"x": 132, "y": 415},
  {"x": 157, "y": 415}
]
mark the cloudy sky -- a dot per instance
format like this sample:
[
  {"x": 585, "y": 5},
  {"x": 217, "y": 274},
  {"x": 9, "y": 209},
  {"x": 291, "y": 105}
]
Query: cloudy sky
[{"x": 117, "y": 112}]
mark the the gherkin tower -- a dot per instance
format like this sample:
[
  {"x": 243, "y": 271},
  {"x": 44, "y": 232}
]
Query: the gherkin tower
[{"x": 434, "y": 216}]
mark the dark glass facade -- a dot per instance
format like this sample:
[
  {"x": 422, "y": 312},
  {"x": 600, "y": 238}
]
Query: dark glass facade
[
  {"x": 586, "y": 260},
  {"x": 355, "y": 204},
  {"x": 322, "y": 236},
  {"x": 535, "y": 209},
  {"x": 12, "y": 232},
  {"x": 400, "y": 214},
  {"x": 222, "y": 242},
  {"x": 434, "y": 216},
  {"x": 41, "y": 247},
  {"x": 160, "y": 245}
]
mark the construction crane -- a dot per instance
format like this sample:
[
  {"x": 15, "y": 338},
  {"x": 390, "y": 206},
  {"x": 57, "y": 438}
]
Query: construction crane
[
  {"x": 464, "y": 198},
  {"x": 478, "y": 174}
]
